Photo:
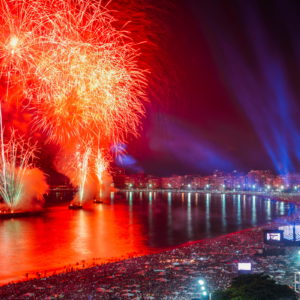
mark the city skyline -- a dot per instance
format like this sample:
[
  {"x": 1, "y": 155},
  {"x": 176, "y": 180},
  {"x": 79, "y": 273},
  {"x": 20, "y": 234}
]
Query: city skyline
[{"x": 218, "y": 180}]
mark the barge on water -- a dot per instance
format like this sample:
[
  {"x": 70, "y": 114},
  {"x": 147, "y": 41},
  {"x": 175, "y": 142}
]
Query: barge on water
[
  {"x": 5, "y": 215},
  {"x": 75, "y": 206},
  {"x": 97, "y": 200}
]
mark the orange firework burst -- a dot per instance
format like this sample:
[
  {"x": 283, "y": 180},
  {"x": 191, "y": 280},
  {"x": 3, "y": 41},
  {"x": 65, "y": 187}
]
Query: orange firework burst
[
  {"x": 19, "y": 41},
  {"x": 76, "y": 69}
]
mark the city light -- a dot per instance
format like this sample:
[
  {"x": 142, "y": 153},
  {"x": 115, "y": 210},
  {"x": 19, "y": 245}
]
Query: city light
[
  {"x": 204, "y": 293},
  {"x": 202, "y": 288},
  {"x": 201, "y": 282},
  {"x": 238, "y": 184}
]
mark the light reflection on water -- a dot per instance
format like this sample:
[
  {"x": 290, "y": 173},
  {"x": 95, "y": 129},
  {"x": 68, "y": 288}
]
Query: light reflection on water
[{"x": 125, "y": 223}]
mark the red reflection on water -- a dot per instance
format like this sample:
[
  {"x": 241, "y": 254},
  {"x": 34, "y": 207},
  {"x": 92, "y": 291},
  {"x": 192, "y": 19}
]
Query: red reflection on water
[{"x": 64, "y": 236}]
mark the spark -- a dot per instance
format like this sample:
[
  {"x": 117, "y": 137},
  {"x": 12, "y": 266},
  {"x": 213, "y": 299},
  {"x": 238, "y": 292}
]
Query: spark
[
  {"x": 15, "y": 162},
  {"x": 78, "y": 72},
  {"x": 80, "y": 167},
  {"x": 14, "y": 42},
  {"x": 101, "y": 165}
]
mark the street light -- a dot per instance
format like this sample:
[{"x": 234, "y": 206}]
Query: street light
[
  {"x": 189, "y": 185},
  {"x": 201, "y": 282},
  {"x": 204, "y": 293},
  {"x": 254, "y": 186}
]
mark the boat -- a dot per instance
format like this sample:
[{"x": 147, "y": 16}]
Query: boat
[
  {"x": 75, "y": 206},
  {"x": 97, "y": 200},
  {"x": 5, "y": 215}
]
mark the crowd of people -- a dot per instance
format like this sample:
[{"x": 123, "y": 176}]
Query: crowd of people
[{"x": 172, "y": 274}]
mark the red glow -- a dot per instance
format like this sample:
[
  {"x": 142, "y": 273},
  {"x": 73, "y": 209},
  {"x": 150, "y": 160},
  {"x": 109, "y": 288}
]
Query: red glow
[{"x": 78, "y": 71}]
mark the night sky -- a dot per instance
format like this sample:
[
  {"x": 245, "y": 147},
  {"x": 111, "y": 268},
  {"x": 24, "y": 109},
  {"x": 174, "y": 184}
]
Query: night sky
[
  {"x": 224, "y": 89},
  {"x": 236, "y": 102}
]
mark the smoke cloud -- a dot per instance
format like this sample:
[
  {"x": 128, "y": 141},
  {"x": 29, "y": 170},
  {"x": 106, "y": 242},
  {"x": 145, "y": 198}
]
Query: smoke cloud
[
  {"x": 92, "y": 184},
  {"x": 34, "y": 187}
]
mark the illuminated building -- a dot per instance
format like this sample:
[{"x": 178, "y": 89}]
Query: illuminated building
[
  {"x": 131, "y": 181},
  {"x": 154, "y": 182},
  {"x": 165, "y": 182}
]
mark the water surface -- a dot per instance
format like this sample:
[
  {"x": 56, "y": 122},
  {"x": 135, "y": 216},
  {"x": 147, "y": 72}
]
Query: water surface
[{"x": 125, "y": 223}]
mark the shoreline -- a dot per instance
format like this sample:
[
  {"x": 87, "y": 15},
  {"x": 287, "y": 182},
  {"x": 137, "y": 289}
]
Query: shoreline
[{"x": 286, "y": 197}]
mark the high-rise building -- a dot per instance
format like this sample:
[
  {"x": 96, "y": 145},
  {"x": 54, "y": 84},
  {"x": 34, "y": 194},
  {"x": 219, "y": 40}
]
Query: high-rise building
[
  {"x": 154, "y": 182},
  {"x": 141, "y": 180},
  {"x": 196, "y": 183},
  {"x": 166, "y": 183},
  {"x": 278, "y": 182},
  {"x": 119, "y": 177},
  {"x": 255, "y": 179},
  {"x": 131, "y": 181}
]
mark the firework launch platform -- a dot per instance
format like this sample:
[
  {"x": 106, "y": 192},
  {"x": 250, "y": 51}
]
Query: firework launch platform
[
  {"x": 97, "y": 201},
  {"x": 75, "y": 207},
  {"x": 22, "y": 214}
]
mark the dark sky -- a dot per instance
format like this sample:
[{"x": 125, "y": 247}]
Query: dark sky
[{"x": 236, "y": 102}]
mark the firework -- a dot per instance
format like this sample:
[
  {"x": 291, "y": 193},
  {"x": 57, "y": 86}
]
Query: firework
[
  {"x": 21, "y": 42},
  {"x": 15, "y": 162},
  {"x": 101, "y": 165},
  {"x": 78, "y": 72},
  {"x": 93, "y": 82},
  {"x": 80, "y": 167}
]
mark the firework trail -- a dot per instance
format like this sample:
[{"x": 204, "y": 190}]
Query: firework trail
[
  {"x": 15, "y": 162},
  {"x": 80, "y": 167},
  {"x": 101, "y": 165}
]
